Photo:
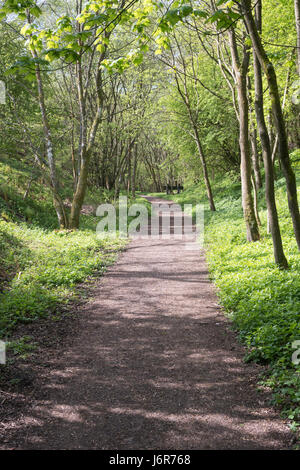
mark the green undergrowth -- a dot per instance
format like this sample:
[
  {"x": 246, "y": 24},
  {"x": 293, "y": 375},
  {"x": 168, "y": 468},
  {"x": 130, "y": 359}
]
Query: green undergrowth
[
  {"x": 40, "y": 266},
  {"x": 262, "y": 301},
  {"x": 47, "y": 266}
]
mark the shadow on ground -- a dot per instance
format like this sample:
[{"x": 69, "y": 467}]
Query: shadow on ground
[{"x": 153, "y": 365}]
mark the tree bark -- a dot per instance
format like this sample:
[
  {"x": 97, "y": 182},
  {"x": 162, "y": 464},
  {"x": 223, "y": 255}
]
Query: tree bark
[
  {"x": 255, "y": 159},
  {"x": 86, "y": 144},
  {"x": 240, "y": 70},
  {"x": 185, "y": 96},
  {"x": 255, "y": 201},
  {"x": 273, "y": 221},
  {"x": 87, "y": 137},
  {"x": 204, "y": 169},
  {"x": 297, "y": 18},
  {"x": 253, "y": 142},
  {"x": 57, "y": 200},
  {"x": 133, "y": 174},
  {"x": 129, "y": 168}
]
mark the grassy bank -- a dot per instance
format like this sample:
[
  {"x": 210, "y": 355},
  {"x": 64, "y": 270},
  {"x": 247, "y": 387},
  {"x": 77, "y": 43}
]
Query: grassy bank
[
  {"x": 43, "y": 267},
  {"x": 39, "y": 265},
  {"x": 262, "y": 301}
]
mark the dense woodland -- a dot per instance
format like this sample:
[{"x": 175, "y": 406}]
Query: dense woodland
[{"x": 118, "y": 97}]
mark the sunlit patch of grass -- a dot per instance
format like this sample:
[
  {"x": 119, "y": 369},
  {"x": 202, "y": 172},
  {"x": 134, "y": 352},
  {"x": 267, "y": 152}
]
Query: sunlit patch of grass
[{"x": 49, "y": 265}]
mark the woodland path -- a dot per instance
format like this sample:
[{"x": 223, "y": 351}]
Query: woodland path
[{"x": 153, "y": 364}]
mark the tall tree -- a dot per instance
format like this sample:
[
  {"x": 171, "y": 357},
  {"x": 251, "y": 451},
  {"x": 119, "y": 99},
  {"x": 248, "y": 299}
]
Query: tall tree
[
  {"x": 279, "y": 256},
  {"x": 181, "y": 80},
  {"x": 240, "y": 69},
  {"x": 297, "y": 18},
  {"x": 277, "y": 114}
]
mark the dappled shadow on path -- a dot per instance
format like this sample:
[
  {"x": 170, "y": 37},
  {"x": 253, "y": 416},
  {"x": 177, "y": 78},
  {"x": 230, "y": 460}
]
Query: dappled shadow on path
[{"x": 154, "y": 366}]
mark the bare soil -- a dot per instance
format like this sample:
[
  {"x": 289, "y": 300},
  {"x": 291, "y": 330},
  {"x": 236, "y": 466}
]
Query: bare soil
[{"x": 148, "y": 361}]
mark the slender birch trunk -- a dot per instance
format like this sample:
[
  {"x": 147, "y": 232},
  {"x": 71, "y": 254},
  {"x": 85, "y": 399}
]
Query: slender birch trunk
[{"x": 57, "y": 200}]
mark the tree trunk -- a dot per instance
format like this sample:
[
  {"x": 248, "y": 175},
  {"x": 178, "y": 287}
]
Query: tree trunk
[
  {"x": 240, "y": 70},
  {"x": 273, "y": 222},
  {"x": 87, "y": 138},
  {"x": 185, "y": 98},
  {"x": 74, "y": 170},
  {"x": 297, "y": 18},
  {"x": 159, "y": 182},
  {"x": 79, "y": 194},
  {"x": 57, "y": 200},
  {"x": 205, "y": 172},
  {"x": 133, "y": 174},
  {"x": 54, "y": 186},
  {"x": 278, "y": 117},
  {"x": 129, "y": 176},
  {"x": 28, "y": 187},
  {"x": 253, "y": 142},
  {"x": 255, "y": 201},
  {"x": 85, "y": 153},
  {"x": 255, "y": 159}
]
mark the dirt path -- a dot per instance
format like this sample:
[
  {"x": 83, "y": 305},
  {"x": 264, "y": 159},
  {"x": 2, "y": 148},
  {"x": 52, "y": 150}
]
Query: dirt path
[{"x": 153, "y": 365}]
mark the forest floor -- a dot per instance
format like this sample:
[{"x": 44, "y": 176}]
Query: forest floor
[{"x": 149, "y": 361}]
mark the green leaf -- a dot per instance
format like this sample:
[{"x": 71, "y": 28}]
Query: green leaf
[{"x": 36, "y": 11}]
